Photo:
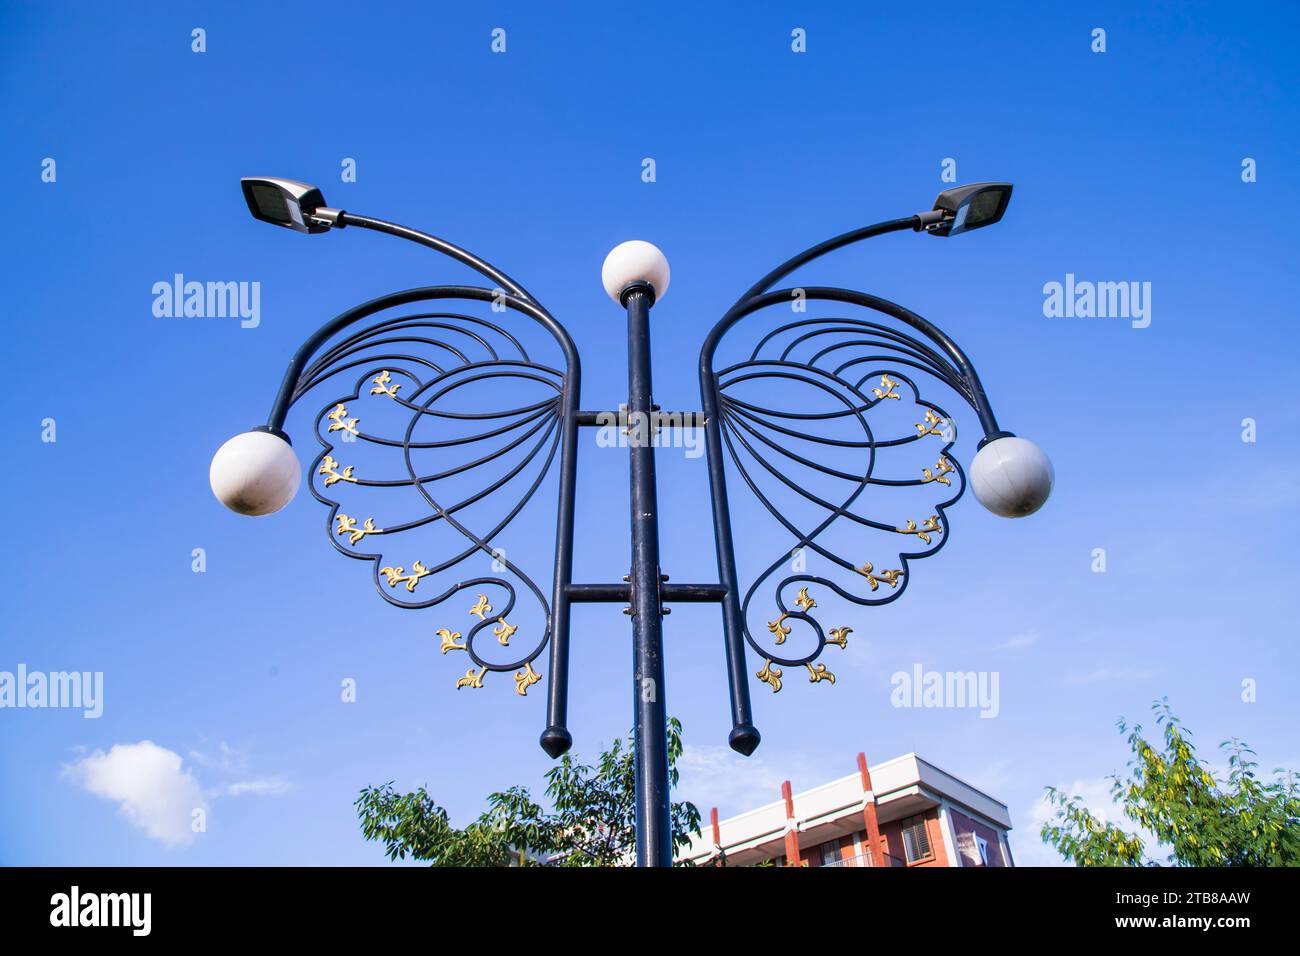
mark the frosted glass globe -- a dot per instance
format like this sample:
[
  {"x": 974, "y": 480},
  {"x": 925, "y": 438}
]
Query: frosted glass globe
[
  {"x": 1012, "y": 477},
  {"x": 255, "y": 473},
  {"x": 635, "y": 261}
]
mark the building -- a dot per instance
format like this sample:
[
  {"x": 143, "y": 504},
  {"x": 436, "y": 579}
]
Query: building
[{"x": 904, "y": 812}]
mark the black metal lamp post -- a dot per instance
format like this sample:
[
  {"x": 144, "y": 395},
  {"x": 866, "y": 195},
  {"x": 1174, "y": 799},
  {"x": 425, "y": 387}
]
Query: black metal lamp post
[{"x": 830, "y": 359}]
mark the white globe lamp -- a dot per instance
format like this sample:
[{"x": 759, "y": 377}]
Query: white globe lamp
[
  {"x": 1011, "y": 477},
  {"x": 255, "y": 473},
  {"x": 635, "y": 261}
]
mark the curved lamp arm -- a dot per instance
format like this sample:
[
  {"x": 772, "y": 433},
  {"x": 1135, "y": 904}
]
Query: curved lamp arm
[
  {"x": 830, "y": 245},
  {"x": 301, "y": 207},
  {"x": 338, "y": 219},
  {"x": 938, "y": 220}
]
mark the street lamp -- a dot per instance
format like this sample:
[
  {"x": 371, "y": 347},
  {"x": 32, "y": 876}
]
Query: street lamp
[
  {"x": 807, "y": 411},
  {"x": 965, "y": 208}
]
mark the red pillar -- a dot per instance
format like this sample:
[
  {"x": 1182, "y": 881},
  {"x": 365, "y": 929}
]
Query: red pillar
[
  {"x": 717, "y": 835},
  {"x": 792, "y": 857},
  {"x": 874, "y": 844}
]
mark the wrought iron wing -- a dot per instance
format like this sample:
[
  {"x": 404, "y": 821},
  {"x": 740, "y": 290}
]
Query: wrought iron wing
[
  {"x": 439, "y": 428},
  {"x": 824, "y": 422}
]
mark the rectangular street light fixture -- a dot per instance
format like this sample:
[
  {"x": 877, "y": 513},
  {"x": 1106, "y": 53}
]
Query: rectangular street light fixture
[
  {"x": 970, "y": 207},
  {"x": 283, "y": 202}
]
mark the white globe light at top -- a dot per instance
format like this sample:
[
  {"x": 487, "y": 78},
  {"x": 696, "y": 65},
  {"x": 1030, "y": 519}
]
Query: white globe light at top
[
  {"x": 255, "y": 473},
  {"x": 635, "y": 261},
  {"x": 1012, "y": 477}
]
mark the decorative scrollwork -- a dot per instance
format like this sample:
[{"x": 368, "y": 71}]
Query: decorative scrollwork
[
  {"x": 504, "y": 631},
  {"x": 348, "y": 526},
  {"x": 472, "y": 678},
  {"x": 770, "y": 675},
  {"x": 888, "y": 389},
  {"x": 818, "y": 673},
  {"x": 398, "y": 575},
  {"x": 874, "y": 577},
  {"x": 329, "y": 467},
  {"x": 445, "y": 462},
  {"x": 449, "y": 639},
  {"x": 939, "y": 473},
  {"x": 931, "y": 424},
  {"x": 525, "y": 679},
  {"x": 339, "y": 422},
  {"x": 382, "y": 386},
  {"x": 819, "y": 421},
  {"x": 931, "y": 527}
]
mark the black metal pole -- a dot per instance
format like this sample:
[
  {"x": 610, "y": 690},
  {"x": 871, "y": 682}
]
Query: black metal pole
[{"x": 654, "y": 844}]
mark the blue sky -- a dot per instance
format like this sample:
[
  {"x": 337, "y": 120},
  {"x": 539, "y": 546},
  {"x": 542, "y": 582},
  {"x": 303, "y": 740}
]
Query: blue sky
[{"x": 1127, "y": 165}]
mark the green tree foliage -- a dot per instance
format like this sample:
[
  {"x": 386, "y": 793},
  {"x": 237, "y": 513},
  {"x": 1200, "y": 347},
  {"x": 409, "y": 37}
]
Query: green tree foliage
[
  {"x": 592, "y": 821},
  {"x": 1172, "y": 795}
]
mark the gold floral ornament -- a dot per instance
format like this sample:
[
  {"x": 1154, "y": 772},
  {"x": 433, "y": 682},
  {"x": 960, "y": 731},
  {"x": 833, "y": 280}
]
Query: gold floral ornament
[
  {"x": 888, "y": 389},
  {"x": 818, "y": 673},
  {"x": 874, "y": 577},
  {"x": 525, "y": 679},
  {"x": 472, "y": 679},
  {"x": 779, "y": 628},
  {"x": 930, "y": 527},
  {"x": 382, "y": 386},
  {"x": 349, "y": 527},
  {"x": 770, "y": 675},
  {"x": 944, "y": 467},
  {"x": 329, "y": 467},
  {"x": 397, "y": 575},
  {"x": 482, "y": 608},
  {"x": 339, "y": 421},
  {"x": 449, "y": 639},
  {"x": 932, "y": 424},
  {"x": 504, "y": 631},
  {"x": 840, "y": 636}
]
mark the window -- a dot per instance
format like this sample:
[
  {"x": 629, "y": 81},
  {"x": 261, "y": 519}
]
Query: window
[
  {"x": 916, "y": 839},
  {"x": 982, "y": 845},
  {"x": 830, "y": 853}
]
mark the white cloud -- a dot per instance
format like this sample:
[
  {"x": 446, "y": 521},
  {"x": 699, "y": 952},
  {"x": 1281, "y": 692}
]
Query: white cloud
[
  {"x": 157, "y": 794},
  {"x": 1110, "y": 674},
  {"x": 269, "y": 786},
  {"x": 150, "y": 786},
  {"x": 1019, "y": 640},
  {"x": 229, "y": 762},
  {"x": 227, "y": 759},
  {"x": 716, "y": 776}
]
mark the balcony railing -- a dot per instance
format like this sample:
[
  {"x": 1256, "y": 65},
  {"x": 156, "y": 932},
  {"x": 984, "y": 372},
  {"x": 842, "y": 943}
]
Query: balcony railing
[{"x": 864, "y": 859}]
